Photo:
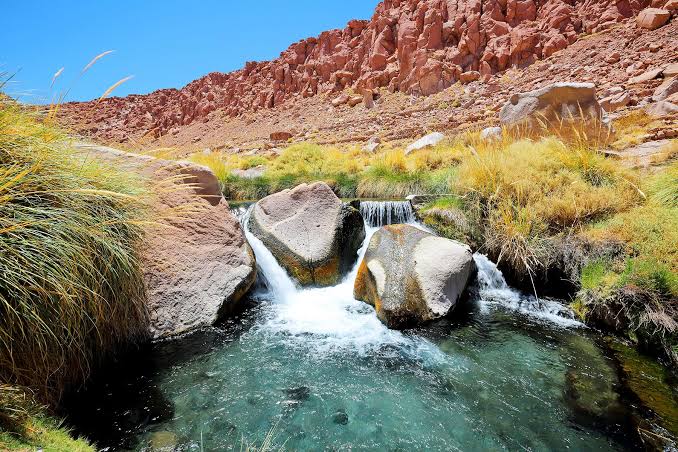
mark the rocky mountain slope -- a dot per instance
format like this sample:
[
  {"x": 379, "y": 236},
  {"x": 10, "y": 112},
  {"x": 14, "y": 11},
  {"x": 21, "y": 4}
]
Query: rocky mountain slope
[{"x": 414, "y": 48}]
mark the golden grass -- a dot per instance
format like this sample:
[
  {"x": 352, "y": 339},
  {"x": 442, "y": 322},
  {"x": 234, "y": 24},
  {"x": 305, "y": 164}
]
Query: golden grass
[{"x": 72, "y": 285}]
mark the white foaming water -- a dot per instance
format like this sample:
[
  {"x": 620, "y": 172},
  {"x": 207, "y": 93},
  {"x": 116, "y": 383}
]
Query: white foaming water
[
  {"x": 329, "y": 320},
  {"x": 381, "y": 213},
  {"x": 493, "y": 289}
]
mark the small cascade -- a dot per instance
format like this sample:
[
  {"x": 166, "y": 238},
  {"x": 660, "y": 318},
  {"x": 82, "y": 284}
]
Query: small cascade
[
  {"x": 242, "y": 213},
  {"x": 381, "y": 213},
  {"x": 493, "y": 289},
  {"x": 278, "y": 281}
]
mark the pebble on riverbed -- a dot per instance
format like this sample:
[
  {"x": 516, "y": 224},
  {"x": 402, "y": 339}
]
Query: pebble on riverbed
[{"x": 340, "y": 417}]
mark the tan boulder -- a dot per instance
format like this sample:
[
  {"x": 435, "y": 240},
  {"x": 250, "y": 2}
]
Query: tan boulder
[
  {"x": 468, "y": 77},
  {"x": 411, "y": 276},
  {"x": 341, "y": 100},
  {"x": 652, "y": 18},
  {"x": 647, "y": 76},
  {"x": 666, "y": 89},
  {"x": 615, "y": 102},
  {"x": 354, "y": 100},
  {"x": 311, "y": 233},
  {"x": 661, "y": 108},
  {"x": 197, "y": 263},
  {"x": 568, "y": 101}
]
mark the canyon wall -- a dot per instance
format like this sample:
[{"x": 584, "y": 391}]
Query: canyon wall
[{"x": 417, "y": 47}]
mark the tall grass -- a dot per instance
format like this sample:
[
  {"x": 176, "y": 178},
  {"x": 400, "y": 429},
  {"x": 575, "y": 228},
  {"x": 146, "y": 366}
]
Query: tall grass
[
  {"x": 71, "y": 285},
  {"x": 528, "y": 190}
]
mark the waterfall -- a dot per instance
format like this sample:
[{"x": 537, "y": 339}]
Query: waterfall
[
  {"x": 381, "y": 213},
  {"x": 493, "y": 289},
  {"x": 326, "y": 319},
  {"x": 330, "y": 320}
]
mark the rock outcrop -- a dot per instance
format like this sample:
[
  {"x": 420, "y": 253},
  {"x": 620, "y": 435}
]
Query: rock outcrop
[
  {"x": 553, "y": 103},
  {"x": 197, "y": 263},
  {"x": 411, "y": 276},
  {"x": 313, "y": 235},
  {"x": 413, "y": 46}
]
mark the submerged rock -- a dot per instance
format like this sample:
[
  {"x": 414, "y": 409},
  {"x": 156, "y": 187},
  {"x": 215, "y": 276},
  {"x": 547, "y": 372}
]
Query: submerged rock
[
  {"x": 411, "y": 276},
  {"x": 340, "y": 417},
  {"x": 591, "y": 386},
  {"x": 313, "y": 235},
  {"x": 197, "y": 265},
  {"x": 568, "y": 101}
]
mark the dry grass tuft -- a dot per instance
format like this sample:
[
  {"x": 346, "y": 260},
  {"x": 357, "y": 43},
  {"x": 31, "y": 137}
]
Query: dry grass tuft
[{"x": 72, "y": 285}]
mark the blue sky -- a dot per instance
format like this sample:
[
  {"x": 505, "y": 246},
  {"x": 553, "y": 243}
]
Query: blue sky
[{"x": 162, "y": 43}]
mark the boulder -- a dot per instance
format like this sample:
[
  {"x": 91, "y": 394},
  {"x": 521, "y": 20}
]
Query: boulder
[
  {"x": 671, "y": 70},
  {"x": 250, "y": 173},
  {"x": 372, "y": 145},
  {"x": 427, "y": 141},
  {"x": 570, "y": 101},
  {"x": 652, "y": 18},
  {"x": 666, "y": 89},
  {"x": 311, "y": 233},
  {"x": 661, "y": 108},
  {"x": 281, "y": 136},
  {"x": 412, "y": 277},
  {"x": 354, "y": 100},
  {"x": 615, "y": 101},
  {"x": 468, "y": 77},
  {"x": 368, "y": 99},
  {"x": 197, "y": 265},
  {"x": 341, "y": 100},
  {"x": 646, "y": 76},
  {"x": 491, "y": 134}
]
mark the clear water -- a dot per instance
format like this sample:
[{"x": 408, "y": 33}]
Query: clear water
[{"x": 316, "y": 367}]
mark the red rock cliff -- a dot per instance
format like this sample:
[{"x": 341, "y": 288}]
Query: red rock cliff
[{"x": 418, "y": 47}]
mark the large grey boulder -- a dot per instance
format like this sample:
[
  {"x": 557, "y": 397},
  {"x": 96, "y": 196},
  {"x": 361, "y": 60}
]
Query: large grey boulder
[
  {"x": 426, "y": 141},
  {"x": 311, "y": 233},
  {"x": 560, "y": 101},
  {"x": 411, "y": 276},
  {"x": 197, "y": 263}
]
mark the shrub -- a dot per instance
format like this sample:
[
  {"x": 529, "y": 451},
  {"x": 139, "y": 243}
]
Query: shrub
[{"x": 72, "y": 285}]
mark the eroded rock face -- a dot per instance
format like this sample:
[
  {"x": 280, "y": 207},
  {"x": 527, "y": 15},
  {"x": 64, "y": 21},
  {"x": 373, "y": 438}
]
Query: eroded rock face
[
  {"x": 552, "y": 103},
  {"x": 413, "y": 46},
  {"x": 412, "y": 277},
  {"x": 313, "y": 235},
  {"x": 198, "y": 265}
]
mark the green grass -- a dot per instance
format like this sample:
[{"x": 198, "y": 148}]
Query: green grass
[
  {"x": 72, "y": 284},
  {"x": 42, "y": 432},
  {"x": 25, "y": 426}
]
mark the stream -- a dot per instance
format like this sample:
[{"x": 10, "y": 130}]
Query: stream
[{"x": 316, "y": 370}]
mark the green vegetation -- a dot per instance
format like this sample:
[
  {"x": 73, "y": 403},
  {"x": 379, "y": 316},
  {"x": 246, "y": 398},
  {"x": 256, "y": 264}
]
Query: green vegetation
[
  {"x": 642, "y": 286},
  {"x": 24, "y": 426},
  {"x": 350, "y": 173},
  {"x": 72, "y": 286}
]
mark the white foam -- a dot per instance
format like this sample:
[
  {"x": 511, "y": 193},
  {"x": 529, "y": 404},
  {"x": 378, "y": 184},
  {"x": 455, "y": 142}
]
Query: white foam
[
  {"x": 493, "y": 289},
  {"x": 330, "y": 320}
]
